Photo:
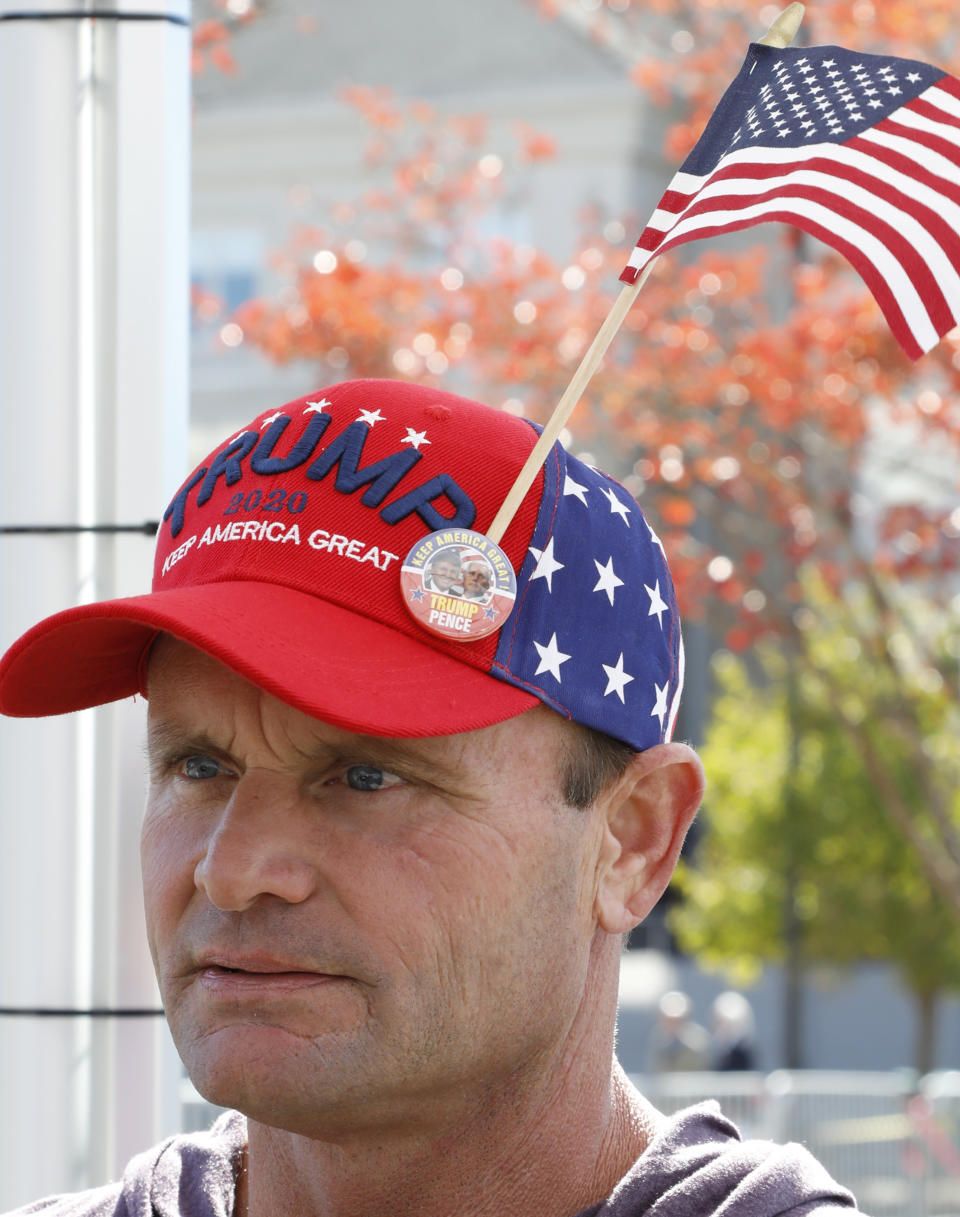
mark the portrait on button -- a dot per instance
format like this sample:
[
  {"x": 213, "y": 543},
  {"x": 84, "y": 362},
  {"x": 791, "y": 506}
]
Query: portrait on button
[
  {"x": 458, "y": 584},
  {"x": 444, "y": 573},
  {"x": 478, "y": 579}
]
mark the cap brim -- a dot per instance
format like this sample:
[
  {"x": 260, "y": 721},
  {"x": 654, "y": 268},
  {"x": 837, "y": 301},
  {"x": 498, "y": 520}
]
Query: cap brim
[{"x": 321, "y": 658}]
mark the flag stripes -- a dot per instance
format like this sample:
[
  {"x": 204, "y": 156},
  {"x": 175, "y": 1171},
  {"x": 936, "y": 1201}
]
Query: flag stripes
[{"x": 885, "y": 195}]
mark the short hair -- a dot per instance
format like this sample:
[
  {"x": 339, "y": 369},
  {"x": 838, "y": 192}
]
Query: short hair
[
  {"x": 448, "y": 554},
  {"x": 594, "y": 759}
]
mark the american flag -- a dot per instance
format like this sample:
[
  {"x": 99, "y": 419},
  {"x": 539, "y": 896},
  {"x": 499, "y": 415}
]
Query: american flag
[{"x": 861, "y": 151}]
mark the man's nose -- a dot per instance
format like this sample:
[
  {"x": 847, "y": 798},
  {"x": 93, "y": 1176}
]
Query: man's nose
[{"x": 258, "y": 847}]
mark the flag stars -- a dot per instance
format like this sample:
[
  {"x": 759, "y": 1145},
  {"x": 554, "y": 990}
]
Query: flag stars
[
  {"x": 609, "y": 581},
  {"x": 574, "y": 488},
  {"x": 547, "y": 566},
  {"x": 617, "y": 507},
  {"x": 913, "y": 77},
  {"x": 660, "y": 706},
  {"x": 415, "y": 438},
  {"x": 655, "y": 539},
  {"x": 617, "y": 679},
  {"x": 658, "y": 606},
  {"x": 551, "y": 657}
]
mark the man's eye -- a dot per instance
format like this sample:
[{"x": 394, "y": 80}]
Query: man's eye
[
  {"x": 201, "y": 767},
  {"x": 369, "y": 777}
]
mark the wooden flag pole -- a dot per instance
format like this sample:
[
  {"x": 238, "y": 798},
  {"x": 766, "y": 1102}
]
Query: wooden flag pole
[
  {"x": 780, "y": 34},
  {"x": 564, "y": 407}
]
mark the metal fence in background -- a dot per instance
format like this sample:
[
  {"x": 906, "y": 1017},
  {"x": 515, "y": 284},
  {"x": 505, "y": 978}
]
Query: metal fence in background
[{"x": 892, "y": 1138}]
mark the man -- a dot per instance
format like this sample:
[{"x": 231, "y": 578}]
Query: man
[
  {"x": 443, "y": 574},
  {"x": 387, "y": 872},
  {"x": 678, "y": 1044},
  {"x": 476, "y": 580}
]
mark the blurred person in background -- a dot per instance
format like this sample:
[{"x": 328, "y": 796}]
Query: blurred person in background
[
  {"x": 679, "y": 1044},
  {"x": 734, "y": 1029}
]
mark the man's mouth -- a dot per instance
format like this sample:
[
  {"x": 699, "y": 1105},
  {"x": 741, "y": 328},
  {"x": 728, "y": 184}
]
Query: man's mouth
[{"x": 234, "y": 977}]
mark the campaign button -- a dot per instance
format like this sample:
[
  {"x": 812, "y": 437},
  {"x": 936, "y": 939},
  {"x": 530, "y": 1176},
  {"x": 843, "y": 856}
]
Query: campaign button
[{"x": 458, "y": 584}]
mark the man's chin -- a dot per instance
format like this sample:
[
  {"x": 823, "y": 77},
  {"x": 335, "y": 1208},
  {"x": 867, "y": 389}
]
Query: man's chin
[
  {"x": 246, "y": 1065},
  {"x": 327, "y": 1090}
]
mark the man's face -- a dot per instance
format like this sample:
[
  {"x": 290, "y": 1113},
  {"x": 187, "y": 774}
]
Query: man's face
[
  {"x": 476, "y": 583},
  {"x": 348, "y": 931},
  {"x": 444, "y": 573}
]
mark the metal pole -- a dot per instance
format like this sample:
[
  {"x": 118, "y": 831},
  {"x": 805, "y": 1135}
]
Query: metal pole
[{"x": 94, "y": 155}]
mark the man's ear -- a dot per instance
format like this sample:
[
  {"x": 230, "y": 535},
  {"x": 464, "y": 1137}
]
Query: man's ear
[{"x": 646, "y": 816}]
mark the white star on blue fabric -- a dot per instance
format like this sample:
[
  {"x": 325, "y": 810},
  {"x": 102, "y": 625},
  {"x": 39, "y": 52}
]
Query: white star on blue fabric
[
  {"x": 658, "y": 605},
  {"x": 547, "y": 564},
  {"x": 617, "y": 506},
  {"x": 574, "y": 488},
  {"x": 609, "y": 580},
  {"x": 660, "y": 709},
  {"x": 551, "y": 657},
  {"x": 617, "y": 679}
]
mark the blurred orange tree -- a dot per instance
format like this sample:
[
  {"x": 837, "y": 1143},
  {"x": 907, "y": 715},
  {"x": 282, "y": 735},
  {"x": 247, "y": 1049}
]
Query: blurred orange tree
[{"x": 754, "y": 402}]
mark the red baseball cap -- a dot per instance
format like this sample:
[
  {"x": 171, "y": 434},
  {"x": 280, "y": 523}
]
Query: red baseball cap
[{"x": 281, "y": 557}]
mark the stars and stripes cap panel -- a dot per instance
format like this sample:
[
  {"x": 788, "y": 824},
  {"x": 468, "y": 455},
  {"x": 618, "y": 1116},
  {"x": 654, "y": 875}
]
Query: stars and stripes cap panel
[
  {"x": 861, "y": 151},
  {"x": 596, "y": 631}
]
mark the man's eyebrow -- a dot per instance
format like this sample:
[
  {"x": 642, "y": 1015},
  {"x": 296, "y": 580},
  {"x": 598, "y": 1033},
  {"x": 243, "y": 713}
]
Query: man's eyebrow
[{"x": 166, "y": 738}]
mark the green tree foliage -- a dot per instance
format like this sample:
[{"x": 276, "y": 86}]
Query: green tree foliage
[{"x": 794, "y": 815}]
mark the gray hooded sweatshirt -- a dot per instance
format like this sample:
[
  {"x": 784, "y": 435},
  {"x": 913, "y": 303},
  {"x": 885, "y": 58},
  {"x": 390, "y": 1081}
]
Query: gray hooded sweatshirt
[{"x": 696, "y": 1166}]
